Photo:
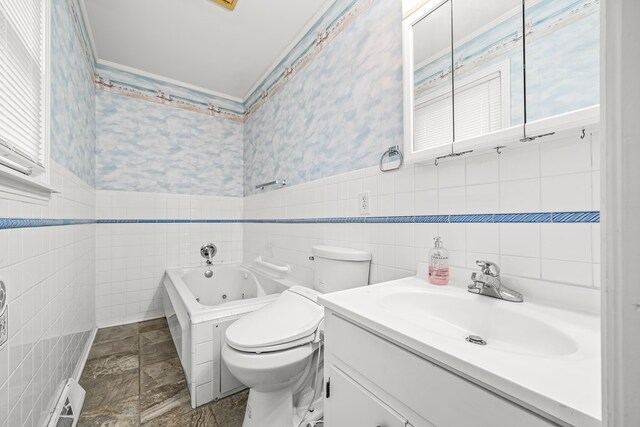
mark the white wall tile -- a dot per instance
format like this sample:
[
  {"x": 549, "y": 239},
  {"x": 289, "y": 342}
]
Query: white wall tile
[
  {"x": 50, "y": 276},
  {"x": 483, "y": 238},
  {"x": 577, "y": 273},
  {"x": 520, "y": 266},
  {"x": 451, "y": 174},
  {"x": 138, "y": 254},
  {"x": 520, "y": 240},
  {"x": 566, "y": 192},
  {"x": 426, "y": 202},
  {"x": 520, "y": 196},
  {"x": 452, "y": 200},
  {"x": 561, "y": 242},
  {"x": 482, "y": 169},
  {"x": 571, "y": 155},
  {"x": 484, "y": 198},
  {"x": 426, "y": 177},
  {"x": 520, "y": 163},
  {"x": 509, "y": 182}
]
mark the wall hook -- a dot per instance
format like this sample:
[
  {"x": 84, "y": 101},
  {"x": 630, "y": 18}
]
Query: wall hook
[
  {"x": 435, "y": 162},
  {"x": 499, "y": 149},
  {"x": 582, "y": 136}
]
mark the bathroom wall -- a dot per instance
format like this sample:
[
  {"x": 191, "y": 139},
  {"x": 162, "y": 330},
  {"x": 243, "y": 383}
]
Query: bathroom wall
[
  {"x": 73, "y": 94},
  {"x": 166, "y": 160},
  {"x": 162, "y": 231},
  {"x": 339, "y": 112},
  {"x": 411, "y": 206},
  {"x": 554, "y": 176},
  {"x": 50, "y": 270}
]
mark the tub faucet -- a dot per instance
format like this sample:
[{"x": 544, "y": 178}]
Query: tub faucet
[
  {"x": 488, "y": 283},
  {"x": 208, "y": 251}
]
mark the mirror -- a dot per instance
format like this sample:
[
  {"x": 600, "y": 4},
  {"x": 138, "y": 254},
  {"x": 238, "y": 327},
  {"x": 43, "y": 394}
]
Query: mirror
[
  {"x": 432, "y": 80},
  {"x": 562, "y": 42},
  {"x": 487, "y": 60}
]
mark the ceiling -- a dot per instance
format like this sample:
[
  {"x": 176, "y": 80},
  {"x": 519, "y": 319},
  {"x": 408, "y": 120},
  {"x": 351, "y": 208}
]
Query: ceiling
[{"x": 199, "y": 42}]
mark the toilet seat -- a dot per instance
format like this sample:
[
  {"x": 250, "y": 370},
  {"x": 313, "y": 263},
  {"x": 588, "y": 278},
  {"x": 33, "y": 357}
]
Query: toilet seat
[{"x": 289, "y": 321}]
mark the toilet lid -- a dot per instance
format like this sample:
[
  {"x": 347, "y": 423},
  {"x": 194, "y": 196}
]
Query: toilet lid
[{"x": 291, "y": 319}]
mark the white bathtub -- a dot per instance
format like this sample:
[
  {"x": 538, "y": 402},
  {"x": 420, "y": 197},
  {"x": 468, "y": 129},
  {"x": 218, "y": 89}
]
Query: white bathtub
[{"x": 199, "y": 310}]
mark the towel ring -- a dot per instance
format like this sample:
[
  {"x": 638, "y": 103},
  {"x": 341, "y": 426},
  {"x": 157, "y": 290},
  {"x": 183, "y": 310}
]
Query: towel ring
[{"x": 392, "y": 151}]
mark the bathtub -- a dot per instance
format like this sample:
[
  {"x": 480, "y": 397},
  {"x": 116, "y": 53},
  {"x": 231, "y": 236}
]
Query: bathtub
[{"x": 200, "y": 309}]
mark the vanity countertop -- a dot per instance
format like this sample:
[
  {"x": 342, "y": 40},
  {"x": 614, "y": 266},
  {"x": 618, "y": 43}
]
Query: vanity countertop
[{"x": 542, "y": 357}]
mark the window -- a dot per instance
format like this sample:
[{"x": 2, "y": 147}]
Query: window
[
  {"x": 23, "y": 86},
  {"x": 482, "y": 105}
]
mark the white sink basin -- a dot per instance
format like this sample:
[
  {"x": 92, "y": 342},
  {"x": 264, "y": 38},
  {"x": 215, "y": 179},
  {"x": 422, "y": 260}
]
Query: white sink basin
[
  {"x": 543, "y": 355},
  {"x": 504, "y": 326}
]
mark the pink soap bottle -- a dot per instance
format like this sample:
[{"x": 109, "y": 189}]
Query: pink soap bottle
[{"x": 438, "y": 264}]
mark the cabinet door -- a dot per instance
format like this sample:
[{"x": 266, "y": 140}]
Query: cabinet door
[
  {"x": 428, "y": 82},
  {"x": 487, "y": 69},
  {"x": 349, "y": 404},
  {"x": 562, "y": 58}
]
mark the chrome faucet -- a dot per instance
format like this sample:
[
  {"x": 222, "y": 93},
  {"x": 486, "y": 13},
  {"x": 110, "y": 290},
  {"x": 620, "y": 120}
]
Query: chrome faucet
[
  {"x": 208, "y": 251},
  {"x": 488, "y": 283}
]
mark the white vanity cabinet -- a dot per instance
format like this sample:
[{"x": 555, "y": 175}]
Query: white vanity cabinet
[{"x": 371, "y": 381}]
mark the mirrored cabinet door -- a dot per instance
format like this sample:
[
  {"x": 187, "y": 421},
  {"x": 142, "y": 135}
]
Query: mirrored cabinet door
[
  {"x": 432, "y": 80},
  {"x": 562, "y": 52},
  {"x": 487, "y": 67}
]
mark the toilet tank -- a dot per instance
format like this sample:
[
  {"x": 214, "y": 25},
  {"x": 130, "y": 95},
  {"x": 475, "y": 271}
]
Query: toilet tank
[{"x": 336, "y": 268}]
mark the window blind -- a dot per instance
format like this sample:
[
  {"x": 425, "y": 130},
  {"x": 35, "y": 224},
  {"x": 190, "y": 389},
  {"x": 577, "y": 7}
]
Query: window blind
[
  {"x": 478, "y": 110},
  {"x": 432, "y": 124},
  {"x": 21, "y": 85}
]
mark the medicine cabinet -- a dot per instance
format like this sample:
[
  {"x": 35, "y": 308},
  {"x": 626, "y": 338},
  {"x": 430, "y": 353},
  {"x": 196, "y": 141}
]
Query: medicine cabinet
[{"x": 481, "y": 75}]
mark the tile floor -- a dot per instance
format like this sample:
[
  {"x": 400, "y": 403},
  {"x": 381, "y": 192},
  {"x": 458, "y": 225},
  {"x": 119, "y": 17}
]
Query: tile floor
[{"x": 133, "y": 377}]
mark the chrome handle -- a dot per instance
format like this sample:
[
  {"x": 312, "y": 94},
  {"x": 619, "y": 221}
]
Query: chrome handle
[
  {"x": 488, "y": 267},
  {"x": 208, "y": 251}
]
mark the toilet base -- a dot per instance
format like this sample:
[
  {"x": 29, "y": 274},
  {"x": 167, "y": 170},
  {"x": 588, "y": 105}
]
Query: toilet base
[
  {"x": 264, "y": 409},
  {"x": 276, "y": 409}
]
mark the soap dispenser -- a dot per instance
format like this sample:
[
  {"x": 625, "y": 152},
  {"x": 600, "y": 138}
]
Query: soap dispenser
[{"x": 438, "y": 264}]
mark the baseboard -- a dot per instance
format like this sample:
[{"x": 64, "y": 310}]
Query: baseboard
[
  {"x": 77, "y": 372},
  {"x": 126, "y": 321}
]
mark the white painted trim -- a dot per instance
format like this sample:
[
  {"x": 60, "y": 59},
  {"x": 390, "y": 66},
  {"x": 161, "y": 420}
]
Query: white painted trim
[
  {"x": 408, "y": 75},
  {"x": 136, "y": 319},
  {"x": 46, "y": 96},
  {"x": 621, "y": 192},
  {"x": 77, "y": 372},
  {"x": 289, "y": 48},
  {"x": 87, "y": 23},
  {"x": 167, "y": 80}
]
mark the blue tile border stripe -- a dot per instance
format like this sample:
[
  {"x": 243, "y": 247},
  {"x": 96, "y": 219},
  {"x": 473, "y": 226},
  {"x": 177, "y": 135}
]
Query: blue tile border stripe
[
  {"x": 500, "y": 218},
  {"x": 9, "y": 223}
]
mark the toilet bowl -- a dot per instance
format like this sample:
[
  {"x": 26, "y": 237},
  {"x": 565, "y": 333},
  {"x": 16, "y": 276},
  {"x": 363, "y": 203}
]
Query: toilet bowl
[{"x": 276, "y": 351}]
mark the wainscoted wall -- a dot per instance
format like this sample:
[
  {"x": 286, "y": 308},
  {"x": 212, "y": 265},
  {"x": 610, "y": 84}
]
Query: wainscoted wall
[
  {"x": 553, "y": 176},
  {"x": 50, "y": 271},
  {"x": 50, "y": 278},
  {"x": 158, "y": 162},
  {"x": 131, "y": 257},
  {"x": 339, "y": 113},
  {"x": 73, "y": 97},
  {"x": 148, "y": 147}
]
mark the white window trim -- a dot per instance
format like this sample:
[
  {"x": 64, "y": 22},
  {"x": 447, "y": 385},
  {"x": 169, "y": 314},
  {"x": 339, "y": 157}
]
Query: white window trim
[{"x": 18, "y": 186}]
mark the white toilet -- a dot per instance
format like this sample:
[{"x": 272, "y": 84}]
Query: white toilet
[{"x": 276, "y": 350}]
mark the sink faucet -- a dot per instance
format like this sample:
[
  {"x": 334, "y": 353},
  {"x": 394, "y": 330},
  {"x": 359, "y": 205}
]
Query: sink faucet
[{"x": 488, "y": 283}]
